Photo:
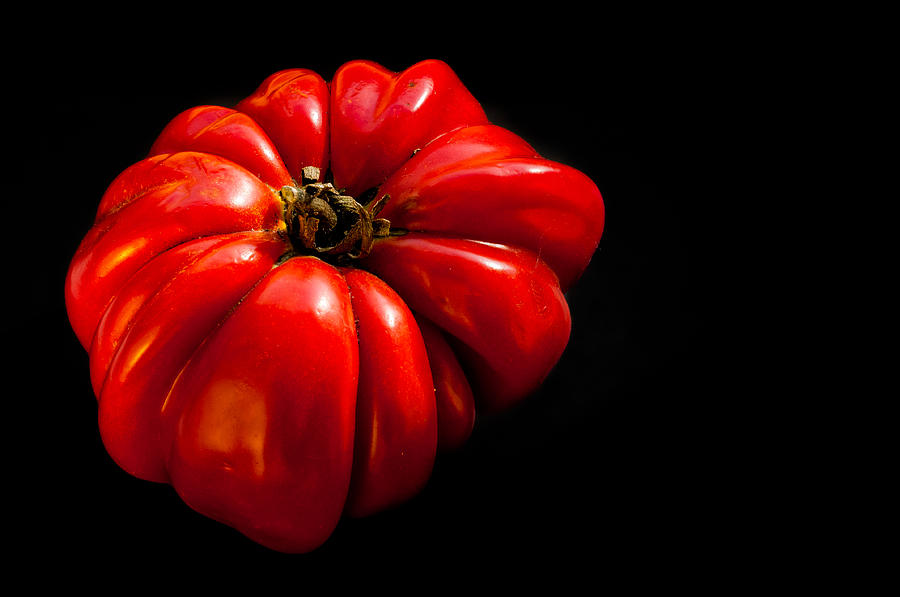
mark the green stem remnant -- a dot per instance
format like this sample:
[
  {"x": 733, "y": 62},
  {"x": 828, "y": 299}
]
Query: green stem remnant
[{"x": 322, "y": 221}]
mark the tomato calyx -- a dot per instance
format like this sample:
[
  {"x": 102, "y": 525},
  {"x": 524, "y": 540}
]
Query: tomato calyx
[{"x": 323, "y": 221}]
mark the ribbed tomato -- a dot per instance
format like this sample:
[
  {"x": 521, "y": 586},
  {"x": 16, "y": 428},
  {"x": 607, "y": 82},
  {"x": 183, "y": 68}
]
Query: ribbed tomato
[{"x": 292, "y": 305}]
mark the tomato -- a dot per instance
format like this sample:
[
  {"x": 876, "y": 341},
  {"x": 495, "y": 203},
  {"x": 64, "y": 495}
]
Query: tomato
[{"x": 293, "y": 305}]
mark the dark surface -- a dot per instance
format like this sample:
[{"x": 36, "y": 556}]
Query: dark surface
[{"x": 624, "y": 460}]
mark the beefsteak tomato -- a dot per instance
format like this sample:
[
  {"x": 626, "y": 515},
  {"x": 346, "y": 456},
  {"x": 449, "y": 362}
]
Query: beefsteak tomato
[{"x": 292, "y": 305}]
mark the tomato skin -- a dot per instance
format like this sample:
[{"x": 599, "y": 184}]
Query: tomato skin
[
  {"x": 396, "y": 435},
  {"x": 503, "y": 305},
  {"x": 379, "y": 118},
  {"x": 155, "y": 205},
  {"x": 151, "y": 355},
  {"x": 485, "y": 183},
  {"x": 277, "y": 392},
  {"x": 226, "y": 133},
  {"x": 452, "y": 393},
  {"x": 261, "y": 420},
  {"x": 124, "y": 307},
  {"x": 292, "y": 106}
]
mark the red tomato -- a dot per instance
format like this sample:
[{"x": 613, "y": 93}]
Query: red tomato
[{"x": 291, "y": 306}]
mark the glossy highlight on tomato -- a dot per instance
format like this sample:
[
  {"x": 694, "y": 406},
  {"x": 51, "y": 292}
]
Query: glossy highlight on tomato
[{"x": 293, "y": 305}]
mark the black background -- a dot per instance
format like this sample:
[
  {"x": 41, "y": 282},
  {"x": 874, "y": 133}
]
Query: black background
[{"x": 627, "y": 460}]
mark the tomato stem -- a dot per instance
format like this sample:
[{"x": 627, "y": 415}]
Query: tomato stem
[{"x": 321, "y": 220}]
